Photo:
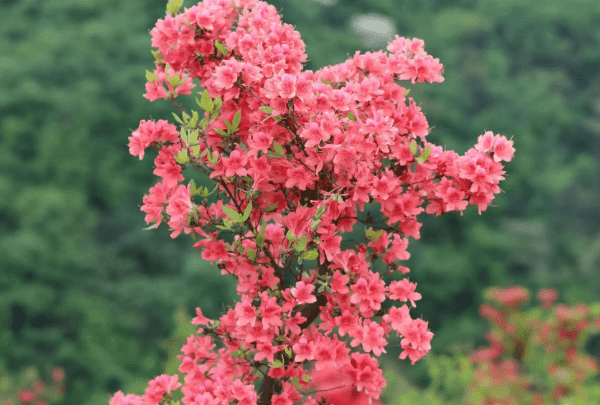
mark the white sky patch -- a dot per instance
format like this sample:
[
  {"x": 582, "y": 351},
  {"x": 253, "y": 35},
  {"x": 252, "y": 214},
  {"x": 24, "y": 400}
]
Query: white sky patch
[
  {"x": 375, "y": 30},
  {"x": 326, "y": 2}
]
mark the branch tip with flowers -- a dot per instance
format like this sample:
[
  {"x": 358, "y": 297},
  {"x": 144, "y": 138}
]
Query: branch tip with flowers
[{"x": 295, "y": 155}]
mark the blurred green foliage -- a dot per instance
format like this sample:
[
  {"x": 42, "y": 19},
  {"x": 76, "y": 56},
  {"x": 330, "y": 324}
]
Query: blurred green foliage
[{"x": 83, "y": 287}]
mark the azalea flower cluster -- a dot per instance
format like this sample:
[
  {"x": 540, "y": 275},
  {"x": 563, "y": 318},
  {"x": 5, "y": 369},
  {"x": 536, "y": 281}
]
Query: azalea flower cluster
[
  {"x": 295, "y": 155},
  {"x": 534, "y": 357},
  {"x": 29, "y": 388}
]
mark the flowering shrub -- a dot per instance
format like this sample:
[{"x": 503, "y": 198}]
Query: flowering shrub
[
  {"x": 29, "y": 388},
  {"x": 295, "y": 155},
  {"x": 535, "y": 357}
]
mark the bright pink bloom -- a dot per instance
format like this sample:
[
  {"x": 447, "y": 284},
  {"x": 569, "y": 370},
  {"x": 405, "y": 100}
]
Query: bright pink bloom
[
  {"x": 403, "y": 290},
  {"x": 303, "y": 293},
  {"x": 160, "y": 386}
]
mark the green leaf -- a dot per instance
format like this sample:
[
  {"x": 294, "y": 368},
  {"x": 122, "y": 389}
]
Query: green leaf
[
  {"x": 251, "y": 254},
  {"x": 306, "y": 378},
  {"x": 213, "y": 158},
  {"x": 320, "y": 211},
  {"x": 175, "y": 80},
  {"x": 221, "y": 48},
  {"x": 193, "y": 189},
  {"x": 195, "y": 150},
  {"x": 377, "y": 234},
  {"x": 157, "y": 56},
  {"x": 412, "y": 147},
  {"x": 247, "y": 212},
  {"x": 153, "y": 226},
  {"x": 276, "y": 364},
  {"x": 206, "y": 103},
  {"x": 310, "y": 255},
  {"x": 218, "y": 103},
  {"x": 288, "y": 351},
  {"x": 406, "y": 92},
  {"x": 351, "y": 117},
  {"x": 182, "y": 157},
  {"x": 220, "y": 131},
  {"x": 193, "y": 138},
  {"x": 184, "y": 135},
  {"x": 204, "y": 123},
  {"x": 425, "y": 153},
  {"x": 315, "y": 225},
  {"x": 301, "y": 246},
  {"x": 266, "y": 109},
  {"x": 177, "y": 118},
  {"x": 290, "y": 236},
  {"x": 151, "y": 76},
  {"x": 174, "y": 5},
  {"x": 236, "y": 120},
  {"x": 278, "y": 149},
  {"x": 231, "y": 213},
  {"x": 272, "y": 207},
  {"x": 194, "y": 120},
  {"x": 260, "y": 238}
]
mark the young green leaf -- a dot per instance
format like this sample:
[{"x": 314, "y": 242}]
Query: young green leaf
[
  {"x": 194, "y": 120},
  {"x": 412, "y": 147},
  {"x": 206, "y": 103},
  {"x": 247, "y": 212},
  {"x": 157, "y": 56},
  {"x": 176, "y": 117},
  {"x": 236, "y": 120},
  {"x": 193, "y": 137},
  {"x": 220, "y": 131},
  {"x": 182, "y": 157},
  {"x": 272, "y": 207},
  {"x": 218, "y": 103},
  {"x": 266, "y": 109},
  {"x": 320, "y": 211},
  {"x": 184, "y": 135},
  {"x": 301, "y": 246},
  {"x": 251, "y": 254},
  {"x": 278, "y": 149},
  {"x": 260, "y": 238},
  {"x": 175, "y": 80},
  {"x": 193, "y": 189},
  {"x": 377, "y": 235},
  {"x": 174, "y": 5},
  {"x": 426, "y": 153},
  {"x": 310, "y": 255},
  {"x": 231, "y": 213},
  {"x": 151, "y": 76},
  {"x": 221, "y": 48}
]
